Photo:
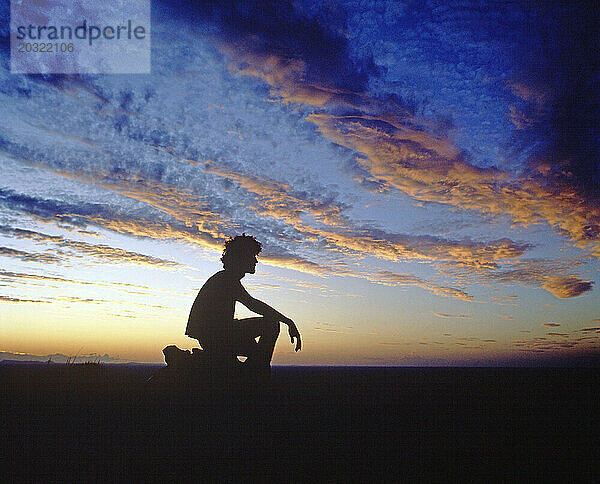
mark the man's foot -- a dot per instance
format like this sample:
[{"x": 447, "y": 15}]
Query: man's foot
[{"x": 175, "y": 357}]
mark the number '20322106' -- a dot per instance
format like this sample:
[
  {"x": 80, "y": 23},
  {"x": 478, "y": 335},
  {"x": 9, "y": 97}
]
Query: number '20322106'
[{"x": 50, "y": 47}]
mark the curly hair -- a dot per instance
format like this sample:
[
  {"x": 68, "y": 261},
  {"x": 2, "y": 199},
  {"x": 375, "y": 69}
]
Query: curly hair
[{"x": 239, "y": 248}]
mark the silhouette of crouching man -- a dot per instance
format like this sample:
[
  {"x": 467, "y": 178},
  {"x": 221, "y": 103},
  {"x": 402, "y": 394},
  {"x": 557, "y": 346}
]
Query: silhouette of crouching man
[{"x": 211, "y": 319}]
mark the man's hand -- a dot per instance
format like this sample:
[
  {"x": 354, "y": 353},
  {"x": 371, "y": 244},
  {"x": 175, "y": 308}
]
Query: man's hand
[{"x": 294, "y": 334}]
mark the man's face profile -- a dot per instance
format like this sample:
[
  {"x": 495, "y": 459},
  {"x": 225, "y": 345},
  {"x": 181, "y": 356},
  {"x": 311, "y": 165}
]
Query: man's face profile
[{"x": 250, "y": 264}]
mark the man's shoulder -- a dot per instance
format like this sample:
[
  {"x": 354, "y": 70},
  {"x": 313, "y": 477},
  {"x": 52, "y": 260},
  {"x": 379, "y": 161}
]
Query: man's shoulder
[
  {"x": 217, "y": 276},
  {"x": 223, "y": 278}
]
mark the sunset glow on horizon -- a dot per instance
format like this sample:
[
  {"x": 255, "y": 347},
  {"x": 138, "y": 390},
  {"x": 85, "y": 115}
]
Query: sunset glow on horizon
[{"x": 424, "y": 181}]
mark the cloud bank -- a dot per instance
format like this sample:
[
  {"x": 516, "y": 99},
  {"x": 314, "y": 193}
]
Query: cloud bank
[{"x": 286, "y": 122}]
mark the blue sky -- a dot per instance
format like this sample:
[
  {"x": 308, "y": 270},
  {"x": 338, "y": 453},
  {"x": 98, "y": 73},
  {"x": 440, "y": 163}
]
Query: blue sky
[{"x": 423, "y": 179}]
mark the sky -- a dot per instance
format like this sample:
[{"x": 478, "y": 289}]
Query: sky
[{"x": 423, "y": 176}]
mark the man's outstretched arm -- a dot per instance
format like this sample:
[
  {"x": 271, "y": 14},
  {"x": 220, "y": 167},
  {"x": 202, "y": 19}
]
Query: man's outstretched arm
[{"x": 259, "y": 307}]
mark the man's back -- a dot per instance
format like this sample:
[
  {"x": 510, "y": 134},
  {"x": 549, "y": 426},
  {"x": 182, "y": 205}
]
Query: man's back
[{"x": 214, "y": 305}]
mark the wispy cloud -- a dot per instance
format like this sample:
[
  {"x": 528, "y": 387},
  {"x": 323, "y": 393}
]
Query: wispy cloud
[
  {"x": 454, "y": 316},
  {"x": 26, "y": 278},
  {"x": 505, "y": 300},
  {"x": 555, "y": 276},
  {"x": 19, "y": 275},
  {"x": 101, "y": 252},
  {"x": 561, "y": 341},
  {"x": 155, "y": 230},
  {"x": 505, "y": 316},
  {"x": 279, "y": 200},
  {"x": 29, "y": 256},
  {"x": 328, "y": 330},
  {"x": 85, "y": 214},
  {"x": 393, "y": 279},
  {"x": 18, "y": 300},
  {"x": 103, "y": 216},
  {"x": 550, "y": 325}
]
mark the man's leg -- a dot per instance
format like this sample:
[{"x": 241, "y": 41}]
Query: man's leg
[
  {"x": 259, "y": 354},
  {"x": 218, "y": 350}
]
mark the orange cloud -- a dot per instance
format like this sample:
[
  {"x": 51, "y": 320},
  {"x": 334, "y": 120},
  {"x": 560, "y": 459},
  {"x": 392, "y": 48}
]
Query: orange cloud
[
  {"x": 534, "y": 272},
  {"x": 414, "y": 162},
  {"x": 285, "y": 76},
  {"x": 393, "y": 279},
  {"x": 178, "y": 203},
  {"x": 182, "y": 205},
  {"x": 205, "y": 226},
  {"x": 278, "y": 200},
  {"x": 297, "y": 263},
  {"x": 566, "y": 286}
]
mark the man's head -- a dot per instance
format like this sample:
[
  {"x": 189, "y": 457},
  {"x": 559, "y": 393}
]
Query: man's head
[{"x": 240, "y": 254}]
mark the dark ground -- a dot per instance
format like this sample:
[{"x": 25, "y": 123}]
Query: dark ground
[{"x": 306, "y": 424}]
